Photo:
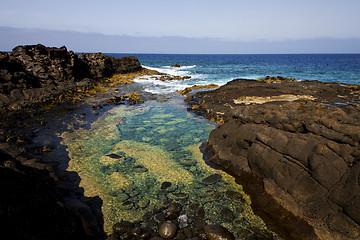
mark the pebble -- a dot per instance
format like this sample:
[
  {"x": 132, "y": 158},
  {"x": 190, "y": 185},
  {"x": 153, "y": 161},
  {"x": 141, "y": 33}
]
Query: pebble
[
  {"x": 127, "y": 205},
  {"x": 165, "y": 185},
  {"x": 167, "y": 230},
  {"x": 233, "y": 195},
  {"x": 168, "y": 187},
  {"x": 171, "y": 215},
  {"x": 122, "y": 227},
  {"x": 199, "y": 212},
  {"x": 115, "y": 156},
  {"x": 212, "y": 178},
  {"x": 227, "y": 215},
  {"x": 136, "y": 231},
  {"x": 174, "y": 207},
  {"x": 183, "y": 220},
  {"x": 140, "y": 169},
  {"x": 143, "y": 203},
  {"x": 216, "y": 232},
  {"x": 179, "y": 196}
]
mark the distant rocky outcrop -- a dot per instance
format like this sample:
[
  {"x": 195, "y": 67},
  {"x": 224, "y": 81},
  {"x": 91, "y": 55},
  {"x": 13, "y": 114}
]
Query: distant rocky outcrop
[
  {"x": 35, "y": 73},
  {"x": 295, "y": 148},
  {"x": 176, "y": 65}
]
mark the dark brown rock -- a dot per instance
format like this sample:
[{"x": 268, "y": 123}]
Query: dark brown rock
[
  {"x": 167, "y": 230},
  {"x": 294, "y": 146},
  {"x": 122, "y": 227},
  {"x": 174, "y": 207},
  {"x": 226, "y": 215},
  {"x": 216, "y": 232},
  {"x": 35, "y": 73},
  {"x": 199, "y": 212},
  {"x": 212, "y": 178}
]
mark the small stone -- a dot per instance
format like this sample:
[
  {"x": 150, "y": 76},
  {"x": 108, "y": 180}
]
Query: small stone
[
  {"x": 194, "y": 206},
  {"x": 139, "y": 169},
  {"x": 227, "y": 215},
  {"x": 165, "y": 185},
  {"x": 217, "y": 195},
  {"x": 122, "y": 227},
  {"x": 212, "y": 179},
  {"x": 233, "y": 195},
  {"x": 216, "y": 232},
  {"x": 171, "y": 215},
  {"x": 179, "y": 196},
  {"x": 143, "y": 203},
  {"x": 145, "y": 235},
  {"x": 183, "y": 219},
  {"x": 147, "y": 216},
  {"x": 199, "y": 212},
  {"x": 168, "y": 187},
  {"x": 199, "y": 224},
  {"x": 136, "y": 231},
  {"x": 160, "y": 217},
  {"x": 174, "y": 207},
  {"x": 127, "y": 204},
  {"x": 115, "y": 156},
  {"x": 167, "y": 230}
]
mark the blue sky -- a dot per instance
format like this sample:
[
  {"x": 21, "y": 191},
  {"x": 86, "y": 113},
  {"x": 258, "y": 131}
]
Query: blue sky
[{"x": 227, "y": 20}]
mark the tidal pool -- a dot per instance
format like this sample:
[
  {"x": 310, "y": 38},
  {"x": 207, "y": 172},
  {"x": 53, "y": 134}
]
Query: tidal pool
[{"x": 140, "y": 158}]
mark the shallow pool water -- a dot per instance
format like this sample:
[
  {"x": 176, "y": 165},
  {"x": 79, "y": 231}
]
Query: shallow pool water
[{"x": 140, "y": 158}]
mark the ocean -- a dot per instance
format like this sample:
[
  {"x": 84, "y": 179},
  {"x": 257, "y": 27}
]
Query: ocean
[{"x": 220, "y": 69}]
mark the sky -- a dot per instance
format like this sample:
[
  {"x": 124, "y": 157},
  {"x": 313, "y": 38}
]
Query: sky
[{"x": 225, "y": 21}]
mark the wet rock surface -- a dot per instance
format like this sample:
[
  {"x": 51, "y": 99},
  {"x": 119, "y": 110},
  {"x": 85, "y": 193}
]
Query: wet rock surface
[{"x": 297, "y": 157}]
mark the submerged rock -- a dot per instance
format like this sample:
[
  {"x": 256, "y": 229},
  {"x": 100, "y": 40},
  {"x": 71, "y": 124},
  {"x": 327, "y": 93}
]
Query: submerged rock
[
  {"x": 167, "y": 230},
  {"x": 212, "y": 178},
  {"x": 216, "y": 232},
  {"x": 122, "y": 227}
]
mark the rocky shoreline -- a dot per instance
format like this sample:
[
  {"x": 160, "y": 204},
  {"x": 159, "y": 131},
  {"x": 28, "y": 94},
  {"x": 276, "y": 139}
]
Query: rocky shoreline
[
  {"x": 294, "y": 146},
  {"x": 34, "y": 204}
]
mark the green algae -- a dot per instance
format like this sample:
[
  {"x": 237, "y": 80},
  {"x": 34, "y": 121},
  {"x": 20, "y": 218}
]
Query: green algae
[{"x": 126, "y": 155}]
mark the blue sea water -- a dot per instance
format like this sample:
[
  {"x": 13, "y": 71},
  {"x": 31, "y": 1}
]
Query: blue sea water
[{"x": 219, "y": 69}]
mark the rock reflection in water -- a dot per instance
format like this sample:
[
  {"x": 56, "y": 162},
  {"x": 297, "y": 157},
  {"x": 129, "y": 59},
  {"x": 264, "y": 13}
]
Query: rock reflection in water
[{"x": 141, "y": 158}]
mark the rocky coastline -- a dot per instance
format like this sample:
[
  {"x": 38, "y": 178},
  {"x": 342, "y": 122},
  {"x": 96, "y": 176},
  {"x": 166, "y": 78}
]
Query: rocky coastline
[
  {"x": 33, "y": 202},
  {"x": 294, "y": 146}
]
